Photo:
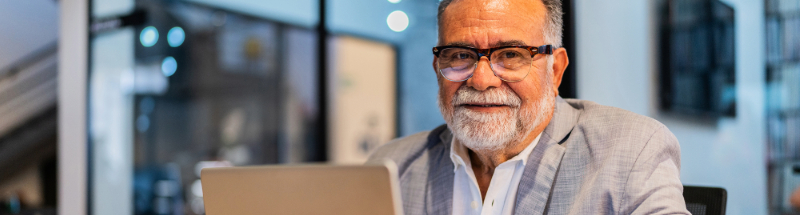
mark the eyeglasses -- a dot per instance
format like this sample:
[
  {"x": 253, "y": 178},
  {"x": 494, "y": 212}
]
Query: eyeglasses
[{"x": 509, "y": 63}]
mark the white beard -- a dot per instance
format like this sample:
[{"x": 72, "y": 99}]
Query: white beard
[{"x": 492, "y": 132}]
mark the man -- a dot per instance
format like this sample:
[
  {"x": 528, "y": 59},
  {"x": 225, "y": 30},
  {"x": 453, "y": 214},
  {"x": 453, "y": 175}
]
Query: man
[{"x": 511, "y": 144}]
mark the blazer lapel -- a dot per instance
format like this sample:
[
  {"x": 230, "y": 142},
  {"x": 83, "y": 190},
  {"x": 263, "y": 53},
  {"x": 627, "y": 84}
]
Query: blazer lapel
[
  {"x": 439, "y": 191},
  {"x": 542, "y": 166}
]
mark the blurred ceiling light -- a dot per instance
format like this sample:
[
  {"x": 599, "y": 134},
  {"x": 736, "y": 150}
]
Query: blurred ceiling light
[
  {"x": 175, "y": 36},
  {"x": 149, "y": 36},
  {"x": 394, "y": 1},
  {"x": 169, "y": 66},
  {"x": 397, "y": 21}
]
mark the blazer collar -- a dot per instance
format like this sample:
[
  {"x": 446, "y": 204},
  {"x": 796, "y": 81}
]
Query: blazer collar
[
  {"x": 564, "y": 119},
  {"x": 439, "y": 189},
  {"x": 543, "y": 163}
]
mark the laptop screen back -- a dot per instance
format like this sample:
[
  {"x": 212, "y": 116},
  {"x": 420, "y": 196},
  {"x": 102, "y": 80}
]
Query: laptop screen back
[{"x": 316, "y": 189}]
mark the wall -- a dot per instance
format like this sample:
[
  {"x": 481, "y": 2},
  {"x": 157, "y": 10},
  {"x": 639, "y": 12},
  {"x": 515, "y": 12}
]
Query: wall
[{"x": 616, "y": 42}]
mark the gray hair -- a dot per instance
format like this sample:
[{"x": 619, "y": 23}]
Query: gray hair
[{"x": 553, "y": 24}]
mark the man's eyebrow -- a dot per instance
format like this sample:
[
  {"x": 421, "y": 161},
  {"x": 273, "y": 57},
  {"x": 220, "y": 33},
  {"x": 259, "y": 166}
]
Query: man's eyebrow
[
  {"x": 509, "y": 43},
  {"x": 465, "y": 44},
  {"x": 497, "y": 44}
]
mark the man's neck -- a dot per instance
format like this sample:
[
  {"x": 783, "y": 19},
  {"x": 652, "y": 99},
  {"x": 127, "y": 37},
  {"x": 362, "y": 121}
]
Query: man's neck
[
  {"x": 484, "y": 163},
  {"x": 489, "y": 160}
]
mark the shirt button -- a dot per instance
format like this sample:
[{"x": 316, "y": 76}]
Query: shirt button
[{"x": 474, "y": 205}]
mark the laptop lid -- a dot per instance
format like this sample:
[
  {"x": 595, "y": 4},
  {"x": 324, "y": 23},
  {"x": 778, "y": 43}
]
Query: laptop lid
[{"x": 307, "y": 189}]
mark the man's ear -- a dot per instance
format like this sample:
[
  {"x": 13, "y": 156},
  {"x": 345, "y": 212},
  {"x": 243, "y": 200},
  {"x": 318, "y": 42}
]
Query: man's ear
[
  {"x": 560, "y": 63},
  {"x": 433, "y": 64},
  {"x": 435, "y": 70}
]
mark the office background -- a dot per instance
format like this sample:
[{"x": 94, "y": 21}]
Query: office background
[{"x": 113, "y": 105}]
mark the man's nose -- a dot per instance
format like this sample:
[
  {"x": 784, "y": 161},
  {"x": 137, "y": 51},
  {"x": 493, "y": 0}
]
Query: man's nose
[{"x": 483, "y": 78}]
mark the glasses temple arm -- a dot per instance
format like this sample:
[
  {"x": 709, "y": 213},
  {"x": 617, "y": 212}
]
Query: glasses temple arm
[{"x": 545, "y": 49}]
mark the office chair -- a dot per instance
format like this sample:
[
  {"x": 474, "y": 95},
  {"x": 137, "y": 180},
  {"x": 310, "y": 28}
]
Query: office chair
[{"x": 705, "y": 200}]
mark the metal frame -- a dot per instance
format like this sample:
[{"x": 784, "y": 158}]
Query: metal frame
[{"x": 72, "y": 106}]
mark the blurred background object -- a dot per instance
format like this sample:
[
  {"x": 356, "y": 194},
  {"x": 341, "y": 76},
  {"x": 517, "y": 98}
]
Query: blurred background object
[
  {"x": 114, "y": 106},
  {"x": 697, "y": 64},
  {"x": 28, "y": 94},
  {"x": 782, "y": 25},
  {"x": 363, "y": 104}
]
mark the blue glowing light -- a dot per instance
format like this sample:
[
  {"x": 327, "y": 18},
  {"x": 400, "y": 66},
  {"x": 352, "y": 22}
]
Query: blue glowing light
[
  {"x": 394, "y": 1},
  {"x": 149, "y": 36},
  {"x": 175, "y": 36},
  {"x": 169, "y": 66}
]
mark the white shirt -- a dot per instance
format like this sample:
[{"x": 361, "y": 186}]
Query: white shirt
[{"x": 502, "y": 192}]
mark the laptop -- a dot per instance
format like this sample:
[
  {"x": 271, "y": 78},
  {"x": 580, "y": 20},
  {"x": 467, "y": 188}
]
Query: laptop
[{"x": 305, "y": 189}]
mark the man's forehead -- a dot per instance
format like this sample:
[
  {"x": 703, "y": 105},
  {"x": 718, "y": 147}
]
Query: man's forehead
[
  {"x": 495, "y": 10},
  {"x": 491, "y": 22}
]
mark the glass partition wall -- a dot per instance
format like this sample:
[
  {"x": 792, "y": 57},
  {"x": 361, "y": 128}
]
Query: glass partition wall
[
  {"x": 176, "y": 86},
  {"x": 190, "y": 86}
]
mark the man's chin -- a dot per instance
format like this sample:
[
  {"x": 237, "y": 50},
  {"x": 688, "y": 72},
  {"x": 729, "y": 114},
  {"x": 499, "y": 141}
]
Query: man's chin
[
  {"x": 483, "y": 145},
  {"x": 480, "y": 136}
]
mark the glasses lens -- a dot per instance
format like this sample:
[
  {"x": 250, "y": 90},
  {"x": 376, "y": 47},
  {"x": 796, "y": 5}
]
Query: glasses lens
[
  {"x": 457, "y": 64},
  {"x": 511, "y": 64}
]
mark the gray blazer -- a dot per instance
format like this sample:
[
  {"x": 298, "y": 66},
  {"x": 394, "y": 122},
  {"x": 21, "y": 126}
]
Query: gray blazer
[{"x": 591, "y": 159}]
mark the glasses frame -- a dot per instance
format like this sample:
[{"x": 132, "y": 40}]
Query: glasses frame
[{"x": 544, "y": 49}]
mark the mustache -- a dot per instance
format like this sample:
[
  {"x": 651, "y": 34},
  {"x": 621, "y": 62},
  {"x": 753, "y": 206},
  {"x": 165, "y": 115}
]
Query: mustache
[{"x": 493, "y": 96}]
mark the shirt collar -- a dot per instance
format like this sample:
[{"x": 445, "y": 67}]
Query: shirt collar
[{"x": 458, "y": 153}]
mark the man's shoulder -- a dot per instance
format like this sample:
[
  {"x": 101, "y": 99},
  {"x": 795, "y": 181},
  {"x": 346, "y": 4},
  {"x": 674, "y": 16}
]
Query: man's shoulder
[
  {"x": 607, "y": 119},
  {"x": 610, "y": 130},
  {"x": 621, "y": 135},
  {"x": 621, "y": 151},
  {"x": 406, "y": 148},
  {"x": 401, "y": 147}
]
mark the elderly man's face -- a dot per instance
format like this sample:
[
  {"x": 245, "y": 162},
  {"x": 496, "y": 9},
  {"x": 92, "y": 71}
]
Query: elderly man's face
[{"x": 489, "y": 114}]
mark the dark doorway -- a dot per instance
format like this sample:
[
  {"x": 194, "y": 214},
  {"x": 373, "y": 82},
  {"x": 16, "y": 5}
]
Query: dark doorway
[{"x": 567, "y": 88}]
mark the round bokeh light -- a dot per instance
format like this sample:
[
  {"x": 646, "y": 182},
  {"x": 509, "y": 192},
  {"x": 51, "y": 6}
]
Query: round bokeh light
[
  {"x": 149, "y": 36},
  {"x": 175, "y": 36},
  {"x": 397, "y": 21},
  {"x": 169, "y": 66}
]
